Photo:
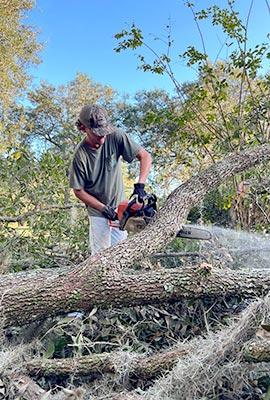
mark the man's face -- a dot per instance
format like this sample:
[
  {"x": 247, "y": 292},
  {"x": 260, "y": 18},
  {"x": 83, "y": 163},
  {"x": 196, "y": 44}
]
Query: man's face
[{"x": 93, "y": 140}]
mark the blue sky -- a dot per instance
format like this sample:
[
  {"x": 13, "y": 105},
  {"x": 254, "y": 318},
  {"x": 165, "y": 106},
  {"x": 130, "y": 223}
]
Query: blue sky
[{"x": 78, "y": 36}]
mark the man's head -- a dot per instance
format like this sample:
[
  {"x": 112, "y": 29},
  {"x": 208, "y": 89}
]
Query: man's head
[
  {"x": 96, "y": 118},
  {"x": 94, "y": 122}
]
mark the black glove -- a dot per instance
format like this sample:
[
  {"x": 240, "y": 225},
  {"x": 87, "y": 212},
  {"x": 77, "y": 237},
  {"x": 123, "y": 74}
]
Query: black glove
[
  {"x": 109, "y": 213},
  {"x": 139, "y": 191}
]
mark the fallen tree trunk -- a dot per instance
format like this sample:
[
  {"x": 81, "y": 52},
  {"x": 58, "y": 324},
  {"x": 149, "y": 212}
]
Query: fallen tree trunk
[
  {"x": 101, "y": 280},
  {"x": 138, "y": 366},
  {"x": 135, "y": 289}
]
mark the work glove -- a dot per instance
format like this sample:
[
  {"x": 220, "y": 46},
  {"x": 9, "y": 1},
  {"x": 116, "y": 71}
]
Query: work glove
[
  {"x": 109, "y": 213},
  {"x": 139, "y": 192}
]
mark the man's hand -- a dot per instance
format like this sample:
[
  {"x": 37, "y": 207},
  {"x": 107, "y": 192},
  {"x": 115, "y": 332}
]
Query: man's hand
[
  {"x": 109, "y": 213},
  {"x": 139, "y": 192}
]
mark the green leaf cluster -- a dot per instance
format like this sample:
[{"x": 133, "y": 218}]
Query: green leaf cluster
[{"x": 19, "y": 49}]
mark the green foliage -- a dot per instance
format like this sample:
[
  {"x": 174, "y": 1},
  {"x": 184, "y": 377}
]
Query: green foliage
[
  {"x": 224, "y": 110},
  {"x": 18, "y": 49},
  {"x": 214, "y": 112},
  {"x": 216, "y": 206},
  {"x": 228, "y": 20},
  {"x": 39, "y": 187},
  {"x": 133, "y": 39},
  {"x": 141, "y": 328},
  {"x": 54, "y": 111},
  {"x": 193, "y": 56}
]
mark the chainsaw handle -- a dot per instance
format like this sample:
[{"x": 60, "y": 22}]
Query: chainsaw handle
[{"x": 134, "y": 200}]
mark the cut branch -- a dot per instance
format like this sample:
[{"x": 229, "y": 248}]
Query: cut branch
[{"x": 143, "y": 368}]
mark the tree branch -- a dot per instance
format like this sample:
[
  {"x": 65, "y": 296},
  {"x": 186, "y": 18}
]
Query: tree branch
[{"x": 20, "y": 218}]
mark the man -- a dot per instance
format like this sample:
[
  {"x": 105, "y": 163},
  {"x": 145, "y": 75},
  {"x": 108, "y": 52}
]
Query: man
[{"x": 96, "y": 177}]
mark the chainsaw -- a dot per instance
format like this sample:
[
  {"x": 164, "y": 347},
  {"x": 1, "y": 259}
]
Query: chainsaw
[{"x": 133, "y": 217}]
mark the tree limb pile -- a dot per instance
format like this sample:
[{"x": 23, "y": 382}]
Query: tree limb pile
[
  {"x": 196, "y": 375},
  {"x": 209, "y": 361}
]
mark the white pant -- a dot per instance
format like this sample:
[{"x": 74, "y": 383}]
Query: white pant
[{"x": 102, "y": 235}]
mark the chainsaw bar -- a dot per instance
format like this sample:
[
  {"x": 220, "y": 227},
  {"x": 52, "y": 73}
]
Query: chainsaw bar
[{"x": 191, "y": 232}]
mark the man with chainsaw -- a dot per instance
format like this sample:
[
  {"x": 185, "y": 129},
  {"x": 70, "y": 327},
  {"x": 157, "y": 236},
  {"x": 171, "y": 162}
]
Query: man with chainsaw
[{"x": 96, "y": 177}]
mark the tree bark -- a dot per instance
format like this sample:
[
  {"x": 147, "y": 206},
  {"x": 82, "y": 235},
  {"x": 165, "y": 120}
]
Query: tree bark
[{"x": 101, "y": 279}]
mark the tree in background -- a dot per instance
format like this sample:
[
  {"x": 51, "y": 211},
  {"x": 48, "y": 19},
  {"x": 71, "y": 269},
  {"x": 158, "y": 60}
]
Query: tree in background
[
  {"x": 19, "y": 49},
  {"x": 225, "y": 109}
]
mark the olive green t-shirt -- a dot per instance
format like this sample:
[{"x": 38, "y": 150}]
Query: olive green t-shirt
[{"x": 98, "y": 172}]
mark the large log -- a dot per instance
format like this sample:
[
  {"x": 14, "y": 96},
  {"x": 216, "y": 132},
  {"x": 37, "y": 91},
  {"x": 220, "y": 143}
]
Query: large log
[
  {"x": 48, "y": 296},
  {"x": 101, "y": 279}
]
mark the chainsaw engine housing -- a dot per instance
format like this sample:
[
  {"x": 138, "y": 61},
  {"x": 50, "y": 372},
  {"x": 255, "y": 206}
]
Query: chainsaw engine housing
[{"x": 134, "y": 216}]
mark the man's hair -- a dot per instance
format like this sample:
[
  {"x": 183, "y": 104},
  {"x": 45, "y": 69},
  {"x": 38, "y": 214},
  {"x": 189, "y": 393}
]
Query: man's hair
[{"x": 80, "y": 126}]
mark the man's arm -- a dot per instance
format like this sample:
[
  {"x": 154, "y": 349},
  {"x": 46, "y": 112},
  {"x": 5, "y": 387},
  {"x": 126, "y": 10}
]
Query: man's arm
[
  {"x": 88, "y": 199},
  {"x": 145, "y": 164}
]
